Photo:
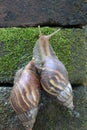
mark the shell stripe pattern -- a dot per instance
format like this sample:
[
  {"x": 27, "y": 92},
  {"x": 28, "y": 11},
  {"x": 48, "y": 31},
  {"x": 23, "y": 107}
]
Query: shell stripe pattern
[
  {"x": 27, "y": 89},
  {"x": 32, "y": 87},
  {"x": 48, "y": 89},
  {"x": 60, "y": 76},
  {"x": 55, "y": 83},
  {"x": 59, "y": 80},
  {"x": 25, "y": 95},
  {"x": 19, "y": 104},
  {"x": 23, "y": 99},
  {"x": 20, "y": 98},
  {"x": 14, "y": 103}
]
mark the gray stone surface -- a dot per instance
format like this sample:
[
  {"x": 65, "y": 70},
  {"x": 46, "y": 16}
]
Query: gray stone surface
[
  {"x": 47, "y": 12},
  {"x": 51, "y": 116}
]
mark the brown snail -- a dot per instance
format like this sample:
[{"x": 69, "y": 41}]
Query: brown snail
[
  {"x": 25, "y": 95},
  {"x": 53, "y": 74}
]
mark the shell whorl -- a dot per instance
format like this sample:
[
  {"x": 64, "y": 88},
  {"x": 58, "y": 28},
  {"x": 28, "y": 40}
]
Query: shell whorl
[
  {"x": 26, "y": 91},
  {"x": 66, "y": 97},
  {"x": 54, "y": 80},
  {"x": 28, "y": 118},
  {"x": 25, "y": 95}
]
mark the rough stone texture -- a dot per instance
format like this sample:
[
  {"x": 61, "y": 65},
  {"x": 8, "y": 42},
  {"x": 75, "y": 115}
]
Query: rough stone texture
[
  {"x": 51, "y": 115},
  {"x": 16, "y": 46},
  {"x": 47, "y": 12}
]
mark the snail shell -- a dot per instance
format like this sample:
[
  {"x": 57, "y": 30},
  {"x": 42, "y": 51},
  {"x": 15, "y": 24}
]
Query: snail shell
[
  {"x": 54, "y": 80},
  {"x": 53, "y": 74},
  {"x": 25, "y": 95}
]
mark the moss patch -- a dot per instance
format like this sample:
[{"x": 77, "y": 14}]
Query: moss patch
[{"x": 16, "y": 46}]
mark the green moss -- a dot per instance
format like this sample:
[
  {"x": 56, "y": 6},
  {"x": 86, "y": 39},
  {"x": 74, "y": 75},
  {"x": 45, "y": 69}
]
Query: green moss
[{"x": 16, "y": 46}]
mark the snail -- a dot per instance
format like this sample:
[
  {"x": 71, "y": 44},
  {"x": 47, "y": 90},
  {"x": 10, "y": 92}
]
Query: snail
[
  {"x": 53, "y": 74},
  {"x": 25, "y": 95}
]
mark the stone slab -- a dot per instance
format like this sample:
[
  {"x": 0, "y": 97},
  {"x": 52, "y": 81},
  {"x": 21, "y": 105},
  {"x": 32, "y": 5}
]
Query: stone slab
[{"x": 47, "y": 12}]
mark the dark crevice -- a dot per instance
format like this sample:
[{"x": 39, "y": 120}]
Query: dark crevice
[
  {"x": 76, "y": 85},
  {"x": 6, "y": 85},
  {"x": 47, "y": 24},
  {"x": 11, "y": 85},
  {"x": 62, "y": 26}
]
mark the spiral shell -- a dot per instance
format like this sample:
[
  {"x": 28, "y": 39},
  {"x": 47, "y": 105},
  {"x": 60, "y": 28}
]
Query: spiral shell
[
  {"x": 25, "y": 95},
  {"x": 54, "y": 80}
]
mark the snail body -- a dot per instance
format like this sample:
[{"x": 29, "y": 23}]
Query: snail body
[
  {"x": 25, "y": 95},
  {"x": 53, "y": 74}
]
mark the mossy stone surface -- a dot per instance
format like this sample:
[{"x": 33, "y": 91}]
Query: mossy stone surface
[{"x": 16, "y": 46}]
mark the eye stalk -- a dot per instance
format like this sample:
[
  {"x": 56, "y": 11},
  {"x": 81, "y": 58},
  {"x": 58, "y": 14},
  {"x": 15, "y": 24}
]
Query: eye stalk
[{"x": 48, "y": 36}]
